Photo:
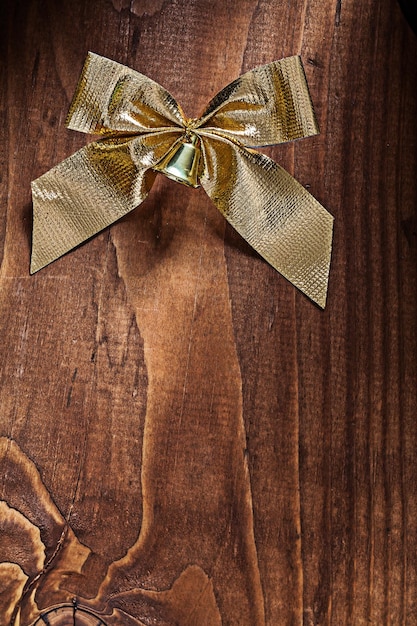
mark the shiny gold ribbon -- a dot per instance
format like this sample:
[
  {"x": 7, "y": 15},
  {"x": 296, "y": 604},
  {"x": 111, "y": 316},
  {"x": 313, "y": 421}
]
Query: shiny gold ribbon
[{"x": 140, "y": 121}]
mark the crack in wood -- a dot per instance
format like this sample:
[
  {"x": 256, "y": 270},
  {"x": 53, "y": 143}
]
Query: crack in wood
[
  {"x": 338, "y": 12},
  {"x": 36, "y": 579},
  {"x": 69, "y": 395}
]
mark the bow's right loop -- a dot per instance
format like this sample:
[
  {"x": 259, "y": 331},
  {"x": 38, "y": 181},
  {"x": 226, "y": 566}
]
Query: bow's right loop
[{"x": 270, "y": 104}]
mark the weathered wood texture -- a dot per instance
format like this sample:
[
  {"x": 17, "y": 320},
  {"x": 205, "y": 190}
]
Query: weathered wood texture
[{"x": 187, "y": 439}]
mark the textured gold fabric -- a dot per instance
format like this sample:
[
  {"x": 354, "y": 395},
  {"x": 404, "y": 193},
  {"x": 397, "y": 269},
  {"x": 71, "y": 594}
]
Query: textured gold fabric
[{"x": 139, "y": 122}]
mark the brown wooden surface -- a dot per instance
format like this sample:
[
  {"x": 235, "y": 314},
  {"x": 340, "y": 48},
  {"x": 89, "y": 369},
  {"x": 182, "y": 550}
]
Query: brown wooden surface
[{"x": 186, "y": 438}]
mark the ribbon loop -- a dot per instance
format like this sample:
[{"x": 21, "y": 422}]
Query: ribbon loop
[
  {"x": 140, "y": 122},
  {"x": 268, "y": 105},
  {"x": 112, "y": 98}
]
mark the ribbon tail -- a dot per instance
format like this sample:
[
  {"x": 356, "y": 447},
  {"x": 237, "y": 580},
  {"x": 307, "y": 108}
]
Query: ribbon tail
[
  {"x": 90, "y": 190},
  {"x": 272, "y": 212}
]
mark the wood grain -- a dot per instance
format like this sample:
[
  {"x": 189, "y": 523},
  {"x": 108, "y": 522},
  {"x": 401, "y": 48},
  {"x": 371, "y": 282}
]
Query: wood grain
[{"x": 185, "y": 439}]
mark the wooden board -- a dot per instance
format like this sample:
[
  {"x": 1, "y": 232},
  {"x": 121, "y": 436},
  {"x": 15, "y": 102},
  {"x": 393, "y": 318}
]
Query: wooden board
[{"x": 186, "y": 439}]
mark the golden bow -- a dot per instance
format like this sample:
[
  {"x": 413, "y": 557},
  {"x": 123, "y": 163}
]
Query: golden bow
[{"x": 143, "y": 128}]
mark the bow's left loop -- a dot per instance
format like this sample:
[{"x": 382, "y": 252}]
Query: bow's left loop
[{"x": 112, "y": 98}]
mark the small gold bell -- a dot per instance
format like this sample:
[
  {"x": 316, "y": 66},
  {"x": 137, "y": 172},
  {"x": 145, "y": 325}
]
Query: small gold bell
[{"x": 182, "y": 161}]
